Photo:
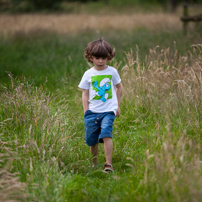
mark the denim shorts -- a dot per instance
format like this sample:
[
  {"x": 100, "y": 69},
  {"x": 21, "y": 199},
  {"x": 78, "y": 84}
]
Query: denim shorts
[{"x": 98, "y": 126}]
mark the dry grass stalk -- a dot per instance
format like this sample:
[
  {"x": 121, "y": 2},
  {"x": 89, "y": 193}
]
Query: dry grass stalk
[
  {"x": 169, "y": 87},
  {"x": 163, "y": 74},
  {"x": 37, "y": 130},
  {"x": 11, "y": 189},
  {"x": 177, "y": 166},
  {"x": 63, "y": 23}
]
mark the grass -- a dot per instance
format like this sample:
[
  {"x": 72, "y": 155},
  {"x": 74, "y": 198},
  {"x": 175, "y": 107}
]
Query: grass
[
  {"x": 157, "y": 139},
  {"x": 62, "y": 23},
  {"x": 58, "y": 59}
]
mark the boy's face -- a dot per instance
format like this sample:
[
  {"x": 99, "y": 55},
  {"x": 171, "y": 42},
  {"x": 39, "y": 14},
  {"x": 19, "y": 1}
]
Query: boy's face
[{"x": 99, "y": 62}]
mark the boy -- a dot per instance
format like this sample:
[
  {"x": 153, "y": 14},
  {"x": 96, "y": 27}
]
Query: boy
[{"x": 101, "y": 97}]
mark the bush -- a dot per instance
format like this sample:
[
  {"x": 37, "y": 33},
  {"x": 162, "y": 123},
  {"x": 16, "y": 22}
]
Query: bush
[
  {"x": 27, "y": 5},
  {"x": 45, "y": 4}
]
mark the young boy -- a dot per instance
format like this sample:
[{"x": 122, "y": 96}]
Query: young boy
[{"x": 101, "y": 97}]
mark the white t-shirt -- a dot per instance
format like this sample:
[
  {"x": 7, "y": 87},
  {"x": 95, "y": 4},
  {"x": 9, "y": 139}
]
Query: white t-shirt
[{"x": 102, "y": 94}]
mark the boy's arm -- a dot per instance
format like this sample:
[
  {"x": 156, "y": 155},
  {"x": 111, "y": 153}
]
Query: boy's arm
[
  {"x": 85, "y": 97},
  {"x": 118, "y": 94}
]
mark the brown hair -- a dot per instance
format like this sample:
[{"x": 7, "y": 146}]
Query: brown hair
[{"x": 99, "y": 48}]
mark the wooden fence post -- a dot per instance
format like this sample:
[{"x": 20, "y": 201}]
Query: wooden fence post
[{"x": 185, "y": 14}]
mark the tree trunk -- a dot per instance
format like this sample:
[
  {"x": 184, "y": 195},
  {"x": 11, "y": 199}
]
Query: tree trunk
[{"x": 173, "y": 5}]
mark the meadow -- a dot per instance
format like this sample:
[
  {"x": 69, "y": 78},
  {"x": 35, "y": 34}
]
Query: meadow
[{"x": 157, "y": 139}]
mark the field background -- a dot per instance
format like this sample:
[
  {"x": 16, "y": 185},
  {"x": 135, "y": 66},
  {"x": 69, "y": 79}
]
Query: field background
[{"x": 157, "y": 139}]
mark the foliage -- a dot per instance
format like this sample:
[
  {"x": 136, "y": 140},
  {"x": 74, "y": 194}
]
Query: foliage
[
  {"x": 45, "y": 4},
  {"x": 34, "y": 5},
  {"x": 66, "y": 5}
]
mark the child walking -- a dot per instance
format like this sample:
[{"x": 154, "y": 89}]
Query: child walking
[{"x": 101, "y": 96}]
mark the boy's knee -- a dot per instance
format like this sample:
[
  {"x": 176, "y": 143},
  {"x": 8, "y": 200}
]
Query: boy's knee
[{"x": 105, "y": 139}]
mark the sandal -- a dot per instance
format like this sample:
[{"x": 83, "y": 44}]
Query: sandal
[{"x": 108, "y": 167}]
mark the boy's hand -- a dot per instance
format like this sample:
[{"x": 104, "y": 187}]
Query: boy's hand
[{"x": 118, "y": 113}]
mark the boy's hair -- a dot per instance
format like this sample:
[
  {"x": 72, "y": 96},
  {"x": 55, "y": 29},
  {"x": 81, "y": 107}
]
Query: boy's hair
[{"x": 99, "y": 48}]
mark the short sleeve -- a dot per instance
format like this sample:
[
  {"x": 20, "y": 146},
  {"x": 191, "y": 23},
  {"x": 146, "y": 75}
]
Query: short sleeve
[
  {"x": 116, "y": 78},
  {"x": 84, "y": 84}
]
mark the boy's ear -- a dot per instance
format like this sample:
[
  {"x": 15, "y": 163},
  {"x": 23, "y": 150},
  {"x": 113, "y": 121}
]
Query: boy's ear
[{"x": 91, "y": 58}]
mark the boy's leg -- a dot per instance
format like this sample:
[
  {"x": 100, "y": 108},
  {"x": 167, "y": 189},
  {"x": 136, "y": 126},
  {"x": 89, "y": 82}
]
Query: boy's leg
[
  {"x": 94, "y": 153},
  {"x": 108, "y": 147}
]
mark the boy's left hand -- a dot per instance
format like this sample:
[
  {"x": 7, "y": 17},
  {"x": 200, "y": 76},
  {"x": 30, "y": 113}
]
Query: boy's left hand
[{"x": 118, "y": 113}]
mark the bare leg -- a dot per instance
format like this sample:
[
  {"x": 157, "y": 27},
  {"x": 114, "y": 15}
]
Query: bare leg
[
  {"x": 94, "y": 153},
  {"x": 108, "y": 147}
]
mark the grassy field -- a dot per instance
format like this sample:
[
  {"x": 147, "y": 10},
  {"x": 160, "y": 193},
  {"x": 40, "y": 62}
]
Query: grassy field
[{"x": 157, "y": 139}]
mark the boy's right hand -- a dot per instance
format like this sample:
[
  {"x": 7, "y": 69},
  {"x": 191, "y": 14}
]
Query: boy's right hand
[{"x": 118, "y": 113}]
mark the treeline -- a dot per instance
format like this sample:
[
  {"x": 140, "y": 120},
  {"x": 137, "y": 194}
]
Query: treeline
[{"x": 21, "y": 5}]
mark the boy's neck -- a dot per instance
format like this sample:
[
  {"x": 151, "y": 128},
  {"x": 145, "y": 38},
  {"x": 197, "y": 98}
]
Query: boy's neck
[{"x": 100, "y": 69}]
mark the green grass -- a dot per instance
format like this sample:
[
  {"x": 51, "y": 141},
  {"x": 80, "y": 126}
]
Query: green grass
[
  {"x": 157, "y": 139},
  {"x": 58, "y": 59},
  {"x": 112, "y": 7}
]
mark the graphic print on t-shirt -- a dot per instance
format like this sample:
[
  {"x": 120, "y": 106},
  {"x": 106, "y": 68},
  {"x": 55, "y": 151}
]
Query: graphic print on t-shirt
[{"x": 102, "y": 89}]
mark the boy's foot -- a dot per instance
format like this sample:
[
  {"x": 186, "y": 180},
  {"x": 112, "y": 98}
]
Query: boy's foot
[{"x": 108, "y": 168}]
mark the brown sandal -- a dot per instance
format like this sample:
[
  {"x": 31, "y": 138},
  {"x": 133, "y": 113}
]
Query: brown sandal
[{"x": 108, "y": 167}]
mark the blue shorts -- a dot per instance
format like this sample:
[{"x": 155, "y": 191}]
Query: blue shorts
[{"x": 98, "y": 126}]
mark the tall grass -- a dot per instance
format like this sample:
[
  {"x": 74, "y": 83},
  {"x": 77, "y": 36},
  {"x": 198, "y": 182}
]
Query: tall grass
[
  {"x": 35, "y": 128},
  {"x": 56, "y": 62},
  {"x": 157, "y": 140},
  {"x": 11, "y": 189},
  {"x": 166, "y": 88},
  {"x": 167, "y": 85}
]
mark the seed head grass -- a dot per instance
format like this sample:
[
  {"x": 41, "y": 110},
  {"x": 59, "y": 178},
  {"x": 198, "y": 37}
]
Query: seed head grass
[{"x": 163, "y": 94}]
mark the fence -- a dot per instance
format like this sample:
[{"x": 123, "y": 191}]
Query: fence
[{"x": 186, "y": 18}]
